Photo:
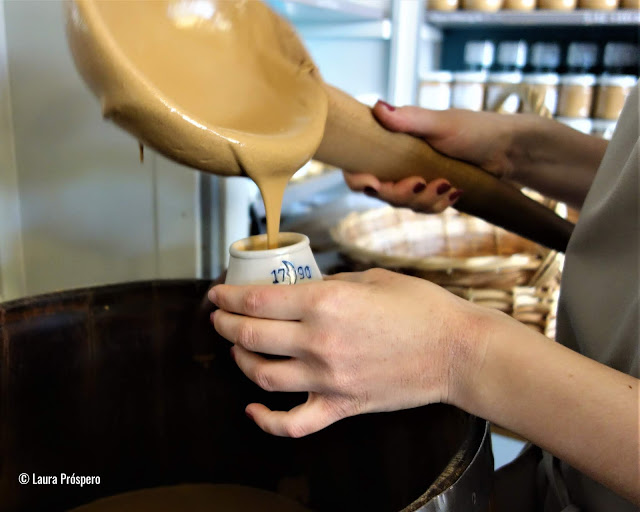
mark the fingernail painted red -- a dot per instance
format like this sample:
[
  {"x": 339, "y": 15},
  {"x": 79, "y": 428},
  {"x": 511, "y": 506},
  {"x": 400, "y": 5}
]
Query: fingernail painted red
[
  {"x": 391, "y": 108},
  {"x": 419, "y": 188},
  {"x": 442, "y": 188},
  {"x": 370, "y": 191},
  {"x": 455, "y": 195}
]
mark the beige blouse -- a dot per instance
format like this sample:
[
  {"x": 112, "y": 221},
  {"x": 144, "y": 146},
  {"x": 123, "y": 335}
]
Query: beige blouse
[{"x": 599, "y": 308}]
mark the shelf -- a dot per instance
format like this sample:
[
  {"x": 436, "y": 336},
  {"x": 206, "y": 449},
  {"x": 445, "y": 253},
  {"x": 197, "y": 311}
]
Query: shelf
[
  {"x": 332, "y": 11},
  {"x": 471, "y": 19}
]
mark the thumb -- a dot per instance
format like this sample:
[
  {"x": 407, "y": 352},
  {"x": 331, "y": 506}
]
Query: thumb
[
  {"x": 430, "y": 124},
  {"x": 362, "y": 182},
  {"x": 300, "y": 421}
]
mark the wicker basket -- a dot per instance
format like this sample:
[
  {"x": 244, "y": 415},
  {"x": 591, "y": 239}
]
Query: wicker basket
[{"x": 472, "y": 258}]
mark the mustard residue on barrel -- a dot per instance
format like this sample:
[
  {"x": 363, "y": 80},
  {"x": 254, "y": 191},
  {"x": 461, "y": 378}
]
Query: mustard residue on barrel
[{"x": 195, "y": 498}]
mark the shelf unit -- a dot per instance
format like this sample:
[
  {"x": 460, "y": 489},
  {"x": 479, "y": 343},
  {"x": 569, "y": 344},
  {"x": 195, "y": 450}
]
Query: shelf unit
[{"x": 444, "y": 34}]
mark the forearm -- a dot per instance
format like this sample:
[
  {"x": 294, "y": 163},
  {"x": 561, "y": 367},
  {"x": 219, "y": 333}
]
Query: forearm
[
  {"x": 554, "y": 159},
  {"x": 583, "y": 412}
]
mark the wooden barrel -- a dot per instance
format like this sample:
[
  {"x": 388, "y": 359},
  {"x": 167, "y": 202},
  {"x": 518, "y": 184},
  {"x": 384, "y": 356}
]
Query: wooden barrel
[{"x": 131, "y": 384}]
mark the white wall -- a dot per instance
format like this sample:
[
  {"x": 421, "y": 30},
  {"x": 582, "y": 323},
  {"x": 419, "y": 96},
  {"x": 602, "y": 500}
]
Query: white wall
[
  {"x": 357, "y": 65},
  {"x": 90, "y": 212},
  {"x": 12, "y": 278}
]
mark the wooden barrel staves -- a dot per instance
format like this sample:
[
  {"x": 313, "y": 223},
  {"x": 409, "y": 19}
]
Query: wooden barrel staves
[{"x": 131, "y": 384}]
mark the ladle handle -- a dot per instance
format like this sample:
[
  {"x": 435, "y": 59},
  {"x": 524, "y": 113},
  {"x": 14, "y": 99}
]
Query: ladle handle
[{"x": 355, "y": 141}]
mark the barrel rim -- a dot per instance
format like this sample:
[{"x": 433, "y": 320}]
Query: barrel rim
[
  {"x": 73, "y": 293},
  {"x": 462, "y": 463}
]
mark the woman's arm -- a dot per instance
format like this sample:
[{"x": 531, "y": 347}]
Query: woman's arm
[
  {"x": 553, "y": 159},
  {"x": 581, "y": 411},
  {"x": 379, "y": 341},
  {"x": 537, "y": 152}
]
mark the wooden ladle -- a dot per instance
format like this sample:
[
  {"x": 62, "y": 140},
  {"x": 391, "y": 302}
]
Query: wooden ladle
[{"x": 227, "y": 87}]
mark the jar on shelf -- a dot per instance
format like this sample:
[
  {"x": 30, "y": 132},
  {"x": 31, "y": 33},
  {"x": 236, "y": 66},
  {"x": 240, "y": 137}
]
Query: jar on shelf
[
  {"x": 543, "y": 80},
  {"x": 577, "y": 123},
  {"x": 443, "y": 5},
  {"x": 621, "y": 58},
  {"x": 603, "y": 128},
  {"x": 478, "y": 55},
  {"x": 544, "y": 57},
  {"x": 600, "y": 5},
  {"x": 620, "y": 61},
  {"x": 512, "y": 55},
  {"x": 482, "y": 5},
  {"x": 501, "y": 92},
  {"x": 558, "y": 5},
  {"x": 611, "y": 93},
  {"x": 468, "y": 90},
  {"x": 545, "y": 85},
  {"x": 519, "y": 5},
  {"x": 582, "y": 57},
  {"x": 575, "y": 96},
  {"x": 435, "y": 90}
]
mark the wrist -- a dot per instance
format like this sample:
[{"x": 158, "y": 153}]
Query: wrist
[
  {"x": 468, "y": 355},
  {"x": 526, "y": 134},
  {"x": 552, "y": 158}
]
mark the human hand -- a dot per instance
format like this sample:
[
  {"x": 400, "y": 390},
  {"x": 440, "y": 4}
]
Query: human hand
[
  {"x": 357, "y": 342},
  {"x": 481, "y": 138}
]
